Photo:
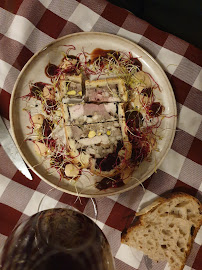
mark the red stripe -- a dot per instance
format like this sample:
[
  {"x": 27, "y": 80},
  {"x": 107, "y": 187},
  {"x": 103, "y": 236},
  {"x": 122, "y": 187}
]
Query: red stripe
[
  {"x": 4, "y": 104},
  {"x": 51, "y": 24},
  {"x": 195, "y": 151},
  {"x": 22, "y": 58},
  {"x": 182, "y": 187},
  {"x": 197, "y": 263},
  {"x": 194, "y": 54},
  {"x": 21, "y": 179},
  {"x": 156, "y": 35},
  {"x": 181, "y": 89},
  {"x": 120, "y": 217},
  {"x": 9, "y": 49},
  {"x": 11, "y": 6},
  {"x": 9, "y": 218},
  {"x": 118, "y": 15}
]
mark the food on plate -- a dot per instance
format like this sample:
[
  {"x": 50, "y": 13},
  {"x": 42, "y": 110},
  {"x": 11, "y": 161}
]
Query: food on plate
[
  {"x": 98, "y": 115},
  {"x": 166, "y": 229},
  {"x": 106, "y": 90},
  {"x": 98, "y": 130},
  {"x": 70, "y": 87}
]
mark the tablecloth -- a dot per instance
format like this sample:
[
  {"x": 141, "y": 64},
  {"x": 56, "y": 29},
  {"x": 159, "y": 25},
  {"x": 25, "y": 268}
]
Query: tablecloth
[{"x": 28, "y": 25}]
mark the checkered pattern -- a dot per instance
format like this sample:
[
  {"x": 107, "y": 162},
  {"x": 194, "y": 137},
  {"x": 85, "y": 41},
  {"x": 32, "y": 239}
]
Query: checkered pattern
[{"x": 27, "y": 26}]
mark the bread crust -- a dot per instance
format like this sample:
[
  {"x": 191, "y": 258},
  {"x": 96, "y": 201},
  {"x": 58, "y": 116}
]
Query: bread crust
[{"x": 140, "y": 221}]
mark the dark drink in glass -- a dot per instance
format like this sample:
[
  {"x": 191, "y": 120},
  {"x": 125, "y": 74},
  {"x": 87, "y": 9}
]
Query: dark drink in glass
[{"x": 57, "y": 239}]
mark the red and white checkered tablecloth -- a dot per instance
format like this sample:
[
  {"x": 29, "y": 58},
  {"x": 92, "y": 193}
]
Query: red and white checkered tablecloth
[{"x": 28, "y": 25}]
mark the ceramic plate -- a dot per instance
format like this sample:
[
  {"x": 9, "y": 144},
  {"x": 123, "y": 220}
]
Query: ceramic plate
[{"x": 34, "y": 71}]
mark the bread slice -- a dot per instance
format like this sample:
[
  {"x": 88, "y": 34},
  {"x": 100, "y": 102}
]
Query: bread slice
[{"x": 166, "y": 229}]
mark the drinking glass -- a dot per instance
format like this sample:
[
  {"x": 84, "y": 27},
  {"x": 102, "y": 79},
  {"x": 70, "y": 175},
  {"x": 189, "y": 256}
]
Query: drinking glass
[{"x": 59, "y": 239}]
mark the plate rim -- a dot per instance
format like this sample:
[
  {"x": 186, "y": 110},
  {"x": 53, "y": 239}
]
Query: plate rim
[{"x": 114, "y": 191}]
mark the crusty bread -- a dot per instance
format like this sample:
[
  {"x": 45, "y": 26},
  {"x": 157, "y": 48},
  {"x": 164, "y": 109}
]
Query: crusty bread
[{"x": 166, "y": 229}]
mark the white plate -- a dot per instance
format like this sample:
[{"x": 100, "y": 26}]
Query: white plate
[{"x": 34, "y": 71}]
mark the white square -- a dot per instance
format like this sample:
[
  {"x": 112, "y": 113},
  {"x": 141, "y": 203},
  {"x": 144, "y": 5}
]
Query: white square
[
  {"x": 45, "y": 3},
  {"x": 167, "y": 267},
  {"x": 198, "y": 238},
  {"x": 189, "y": 121},
  {"x": 198, "y": 82},
  {"x": 187, "y": 268},
  {"x": 38, "y": 203},
  {"x": 129, "y": 35},
  {"x": 20, "y": 29},
  {"x": 147, "y": 199},
  {"x": 98, "y": 223},
  {"x": 168, "y": 60},
  {"x": 172, "y": 163},
  {"x": 114, "y": 197},
  {"x": 130, "y": 256},
  {"x": 84, "y": 17},
  {"x": 4, "y": 181},
  {"x": 4, "y": 69}
]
